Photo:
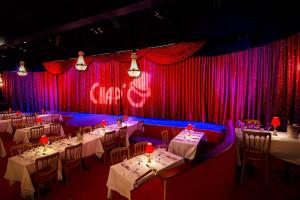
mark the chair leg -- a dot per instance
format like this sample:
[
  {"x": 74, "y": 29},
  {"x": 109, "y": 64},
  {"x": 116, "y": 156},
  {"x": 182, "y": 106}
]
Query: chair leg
[{"x": 243, "y": 169}]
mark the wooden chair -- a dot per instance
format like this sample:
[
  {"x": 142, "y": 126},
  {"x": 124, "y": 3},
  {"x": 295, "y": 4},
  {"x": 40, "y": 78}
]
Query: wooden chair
[
  {"x": 97, "y": 126},
  {"x": 31, "y": 119},
  {"x": 109, "y": 142},
  {"x": 46, "y": 170},
  {"x": 85, "y": 129},
  {"x": 119, "y": 154},
  {"x": 139, "y": 148},
  {"x": 18, "y": 149},
  {"x": 36, "y": 133},
  {"x": 9, "y": 116},
  {"x": 138, "y": 133},
  {"x": 256, "y": 147},
  {"x": 122, "y": 136},
  {"x": 251, "y": 123},
  {"x": 17, "y": 123},
  {"x": 54, "y": 138},
  {"x": 73, "y": 156},
  {"x": 54, "y": 129},
  {"x": 165, "y": 138},
  {"x": 175, "y": 131}
]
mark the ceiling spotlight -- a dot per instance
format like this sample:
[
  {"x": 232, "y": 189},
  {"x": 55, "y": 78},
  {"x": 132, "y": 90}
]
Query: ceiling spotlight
[{"x": 100, "y": 30}]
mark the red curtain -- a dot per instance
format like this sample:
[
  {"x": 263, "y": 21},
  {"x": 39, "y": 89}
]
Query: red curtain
[
  {"x": 256, "y": 83},
  {"x": 30, "y": 93},
  {"x": 160, "y": 55}
]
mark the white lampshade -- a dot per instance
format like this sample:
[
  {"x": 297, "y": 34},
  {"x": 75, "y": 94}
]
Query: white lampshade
[
  {"x": 22, "y": 70},
  {"x": 134, "y": 70},
  {"x": 1, "y": 81},
  {"x": 81, "y": 65}
]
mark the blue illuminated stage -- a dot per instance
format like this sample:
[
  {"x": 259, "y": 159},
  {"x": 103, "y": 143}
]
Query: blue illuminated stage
[{"x": 87, "y": 119}]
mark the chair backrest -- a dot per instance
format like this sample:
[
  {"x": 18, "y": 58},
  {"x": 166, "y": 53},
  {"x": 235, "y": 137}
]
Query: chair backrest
[
  {"x": 46, "y": 167},
  {"x": 36, "y": 132},
  {"x": 256, "y": 142},
  {"x": 109, "y": 140},
  {"x": 54, "y": 138},
  {"x": 19, "y": 149},
  {"x": 73, "y": 155},
  {"x": 175, "y": 131},
  {"x": 119, "y": 154},
  {"x": 141, "y": 126},
  {"x": 251, "y": 123},
  {"x": 85, "y": 129},
  {"x": 55, "y": 129},
  {"x": 17, "y": 123},
  {"x": 97, "y": 126},
  {"x": 140, "y": 148},
  {"x": 123, "y": 132},
  {"x": 9, "y": 116},
  {"x": 165, "y": 136},
  {"x": 31, "y": 119}
]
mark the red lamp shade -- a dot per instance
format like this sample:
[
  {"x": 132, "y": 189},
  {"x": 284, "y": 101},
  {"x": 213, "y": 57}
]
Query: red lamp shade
[
  {"x": 190, "y": 127},
  {"x": 103, "y": 123},
  {"x": 125, "y": 117},
  {"x": 39, "y": 120},
  {"x": 18, "y": 113},
  {"x": 275, "y": 121},
  {"x": 44, "y": 139},
  {"x": 149, "y": 148}
]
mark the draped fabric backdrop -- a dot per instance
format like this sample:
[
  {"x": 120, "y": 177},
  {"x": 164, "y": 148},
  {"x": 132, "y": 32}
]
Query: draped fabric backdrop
[
  {"x": 257, "y": 83},
  {"x": 30, "y": 93}
]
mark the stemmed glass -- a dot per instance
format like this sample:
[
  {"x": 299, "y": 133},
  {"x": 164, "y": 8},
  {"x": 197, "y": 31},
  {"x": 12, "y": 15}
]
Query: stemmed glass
[{"x": 69, "y": 136}]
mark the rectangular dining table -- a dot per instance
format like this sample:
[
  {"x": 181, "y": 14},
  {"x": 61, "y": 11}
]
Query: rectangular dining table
[
  {"x": 123, "y": 176},
  {"x": 185, "y": 143},
  {"x": 19, "y": 168}
]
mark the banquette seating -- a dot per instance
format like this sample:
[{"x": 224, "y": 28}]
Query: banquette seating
[{"x": 210, "y": 176}]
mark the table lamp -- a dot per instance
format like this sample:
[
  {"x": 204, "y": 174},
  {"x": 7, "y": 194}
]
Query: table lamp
[
  {"x": 39, "y": 120},
  {"x": 189, "y": 127},
  {"x": 44, "y": 140},
  {"x": 18, "y": 114},
  {"x": 103, "y": 123},
  {"x": 149, "y": 150},
  {"x": 275, "y": 122}
]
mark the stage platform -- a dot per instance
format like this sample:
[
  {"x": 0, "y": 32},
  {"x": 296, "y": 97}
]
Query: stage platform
[{"x": 87, "y": 119}]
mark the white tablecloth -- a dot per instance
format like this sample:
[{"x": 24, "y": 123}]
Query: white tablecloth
[
  {"x": 50, "y": 117},
  {"x": 5, "y": 126},
  {"x": 20, "y": 168},
  {"x": 2, "y": 149},
  {"x": 23, "y": 135},
  {"x": 282, "y": 147},
  {"x": 122, "y": 176},
  {"x": 185, "y": 143}
]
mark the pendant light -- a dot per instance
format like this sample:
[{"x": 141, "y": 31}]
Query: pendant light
[
  {"x": 134, "y": 70},
  {"x": 22, "y": 70},
  {"x": 81, "y": 65}
]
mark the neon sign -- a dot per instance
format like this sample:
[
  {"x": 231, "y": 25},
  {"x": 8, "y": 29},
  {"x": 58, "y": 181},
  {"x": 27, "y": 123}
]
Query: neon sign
[{"x": 137, "y": 92}]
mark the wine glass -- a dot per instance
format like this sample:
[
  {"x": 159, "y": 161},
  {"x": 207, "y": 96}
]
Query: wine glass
[{"x": 69, "y": 136}]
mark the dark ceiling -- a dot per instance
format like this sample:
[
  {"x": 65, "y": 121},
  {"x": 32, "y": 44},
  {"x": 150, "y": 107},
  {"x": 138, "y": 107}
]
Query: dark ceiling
[{"x": 52, "y": 30}]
